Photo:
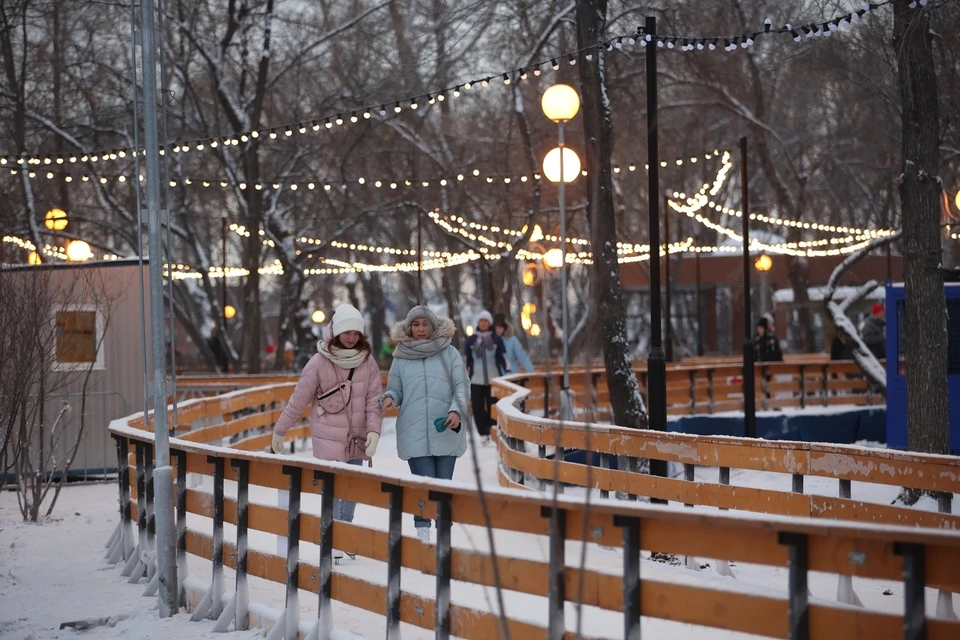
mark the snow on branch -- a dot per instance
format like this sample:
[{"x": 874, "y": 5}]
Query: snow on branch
[{"x": 868, "y": 363}]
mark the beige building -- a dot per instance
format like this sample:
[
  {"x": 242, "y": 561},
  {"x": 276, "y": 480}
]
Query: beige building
[{"x": 96, "y": 355}]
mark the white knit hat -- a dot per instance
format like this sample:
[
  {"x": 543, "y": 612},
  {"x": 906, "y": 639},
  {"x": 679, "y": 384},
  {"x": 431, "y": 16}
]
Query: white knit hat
[
  {"x": 484, "y": 315},
  {"x": 347, "y": 318}
]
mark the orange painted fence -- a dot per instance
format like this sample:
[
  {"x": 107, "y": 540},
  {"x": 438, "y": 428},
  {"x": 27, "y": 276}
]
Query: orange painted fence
[
  {"x": 695, "y": 386},
  {"x": 222, "y": 437}
]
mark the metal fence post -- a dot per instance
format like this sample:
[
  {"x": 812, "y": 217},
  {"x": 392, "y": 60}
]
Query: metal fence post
[
  {"x": 798, "y": 594},
  {"x": 394, "y": 559},
  {"x": 557, "y": 597},
  {"x": 123, "y": 473},
  {"x": 631, "y": 575},
  {"x": 289, "y": 621},
  {"x": 151, "y": 519},
  {"x": 212, "y": 603},
  {"x": 324, "y": 624},
  {"x": 444, "y": 525},
  {"x": 914, "y": 581},
  {"x": 181, "y": 524}
]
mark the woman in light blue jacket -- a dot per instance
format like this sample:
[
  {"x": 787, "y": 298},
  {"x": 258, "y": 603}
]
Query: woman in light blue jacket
[
  {"x": 428, "y": 383},
  {"x": 516, "y": 357}
]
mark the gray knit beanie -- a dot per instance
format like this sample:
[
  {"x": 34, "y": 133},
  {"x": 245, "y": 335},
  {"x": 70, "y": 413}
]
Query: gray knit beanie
[{"x": 420, "y": 311}]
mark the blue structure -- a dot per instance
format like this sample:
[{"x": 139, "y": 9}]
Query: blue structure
[{"x": 896, "y": 366}]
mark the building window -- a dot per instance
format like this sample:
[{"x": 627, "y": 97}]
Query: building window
[{"x": 79, "y": 333}]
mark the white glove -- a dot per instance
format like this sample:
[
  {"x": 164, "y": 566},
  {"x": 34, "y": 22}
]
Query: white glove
[
  {"x": 277, "y": 443},
  {"x": 370, "y": 446}
]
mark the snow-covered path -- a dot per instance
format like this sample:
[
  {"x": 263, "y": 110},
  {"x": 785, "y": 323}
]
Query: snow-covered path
[{"x": 55, "y": 572}]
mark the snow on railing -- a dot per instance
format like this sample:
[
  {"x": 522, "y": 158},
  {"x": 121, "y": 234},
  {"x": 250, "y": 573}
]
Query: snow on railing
[{"x": 802, "y": 545}]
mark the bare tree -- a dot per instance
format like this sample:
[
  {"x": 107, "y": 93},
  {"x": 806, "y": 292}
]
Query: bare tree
[
  {"x": 920, "y": 189},
  {"x": 625, "y": 399},
  {"x": 54, "y": 351}
]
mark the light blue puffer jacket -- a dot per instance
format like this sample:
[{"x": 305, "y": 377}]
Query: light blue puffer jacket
[{"x": 425, "y": 390}]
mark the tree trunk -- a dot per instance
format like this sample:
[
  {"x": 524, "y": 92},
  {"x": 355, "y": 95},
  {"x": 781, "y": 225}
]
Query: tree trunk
[
  {"x": 373, "y": 292},
  {"x": 450, "y": 281},
  {"x": 925, "y": 307},
  {"x": 625, "y": 399},
  {"x": 251, "y": 289},
  {"x": 799, "y": 270}
]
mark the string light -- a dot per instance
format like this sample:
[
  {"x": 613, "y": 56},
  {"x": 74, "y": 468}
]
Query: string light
[
  {"x": 469, "y": 174},
  {"x": 745, "y": 40},
  {"x": 688, "y": 43},
  {"x": 692, "y": 206}
]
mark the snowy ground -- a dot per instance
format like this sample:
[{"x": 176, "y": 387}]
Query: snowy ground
[{"x": 54, "y": 572}]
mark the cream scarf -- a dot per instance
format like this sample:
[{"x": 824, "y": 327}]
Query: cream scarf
[{"x": 343, "y": 358}]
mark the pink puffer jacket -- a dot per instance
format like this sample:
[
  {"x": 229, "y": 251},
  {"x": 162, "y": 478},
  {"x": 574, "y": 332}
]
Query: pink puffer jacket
[{"x": 332, "y": 432}]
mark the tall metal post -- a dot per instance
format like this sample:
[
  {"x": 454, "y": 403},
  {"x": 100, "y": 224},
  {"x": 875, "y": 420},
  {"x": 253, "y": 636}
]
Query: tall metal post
[
  {"x": 163, "y": 474},
  {"x": 656, "y": 364},
  {"x": 668, "y": 348},
  {"x": 223, "y": 272},
  {"x": 749, "y": 401},
  {"x": 566, "y": 404}
]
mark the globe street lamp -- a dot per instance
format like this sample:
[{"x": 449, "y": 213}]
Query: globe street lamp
[
  {"x": 561, "y": 103},
  {"x": 763, "y": 264},
  {"x": 318, "y": 317},
  {"x": 553, "y": 259},
  {"x": 56, "y": 220},
  {"x": 79, "y": 251}
]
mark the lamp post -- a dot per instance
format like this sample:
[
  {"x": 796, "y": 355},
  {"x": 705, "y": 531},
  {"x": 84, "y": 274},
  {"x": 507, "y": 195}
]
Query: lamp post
[
  {"x": 163, "y": 473},
  {"x": 656, "y": 362},
  {"x": 668, "y": 349},
  {"x": 763, "y": 264},
  {"x": 561, "y": 103},
  {"x": 749, "y": 401}
]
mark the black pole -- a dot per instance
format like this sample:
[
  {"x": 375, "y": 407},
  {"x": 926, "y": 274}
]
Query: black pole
[
  {"x": 656, "y": 365},
  {"x": 223, "y": 290},
  {"x": 749, "y": 401},
  {"x": 666, "y": 243},
  {"x": 223, "y": 272},
  {"x": 696, "y": 261},
  {"x": 889, "y": 263}
]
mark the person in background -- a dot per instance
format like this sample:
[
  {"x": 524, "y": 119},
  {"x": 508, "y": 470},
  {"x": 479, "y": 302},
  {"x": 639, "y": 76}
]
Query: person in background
[
  {"x": 484, "y": 353},
  {"x": 873, "y": 331},
  {"x": 766, "y": 346},
  {"x": 219, "y": 353},
  {"x": 429, "y": 385},
  {"x": 514, "y": 354},
  {"x": 342, "y": 382},
  {"x": 842, "y": 346}
]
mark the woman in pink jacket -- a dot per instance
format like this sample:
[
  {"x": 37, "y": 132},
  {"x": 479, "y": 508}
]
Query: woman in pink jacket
[{"x": 343, "y": 384}]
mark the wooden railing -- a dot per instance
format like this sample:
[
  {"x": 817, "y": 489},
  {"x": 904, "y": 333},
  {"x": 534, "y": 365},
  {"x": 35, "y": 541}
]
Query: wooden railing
[
  {"x": 626, "y": 447},
  {"x": 227, "y": 432},
  {"x": 696, "y": 386}
]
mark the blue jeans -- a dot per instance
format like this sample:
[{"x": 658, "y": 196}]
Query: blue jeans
[
  {"x": 343, "y": 510},
  {"x": 440, "y": 467}
]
